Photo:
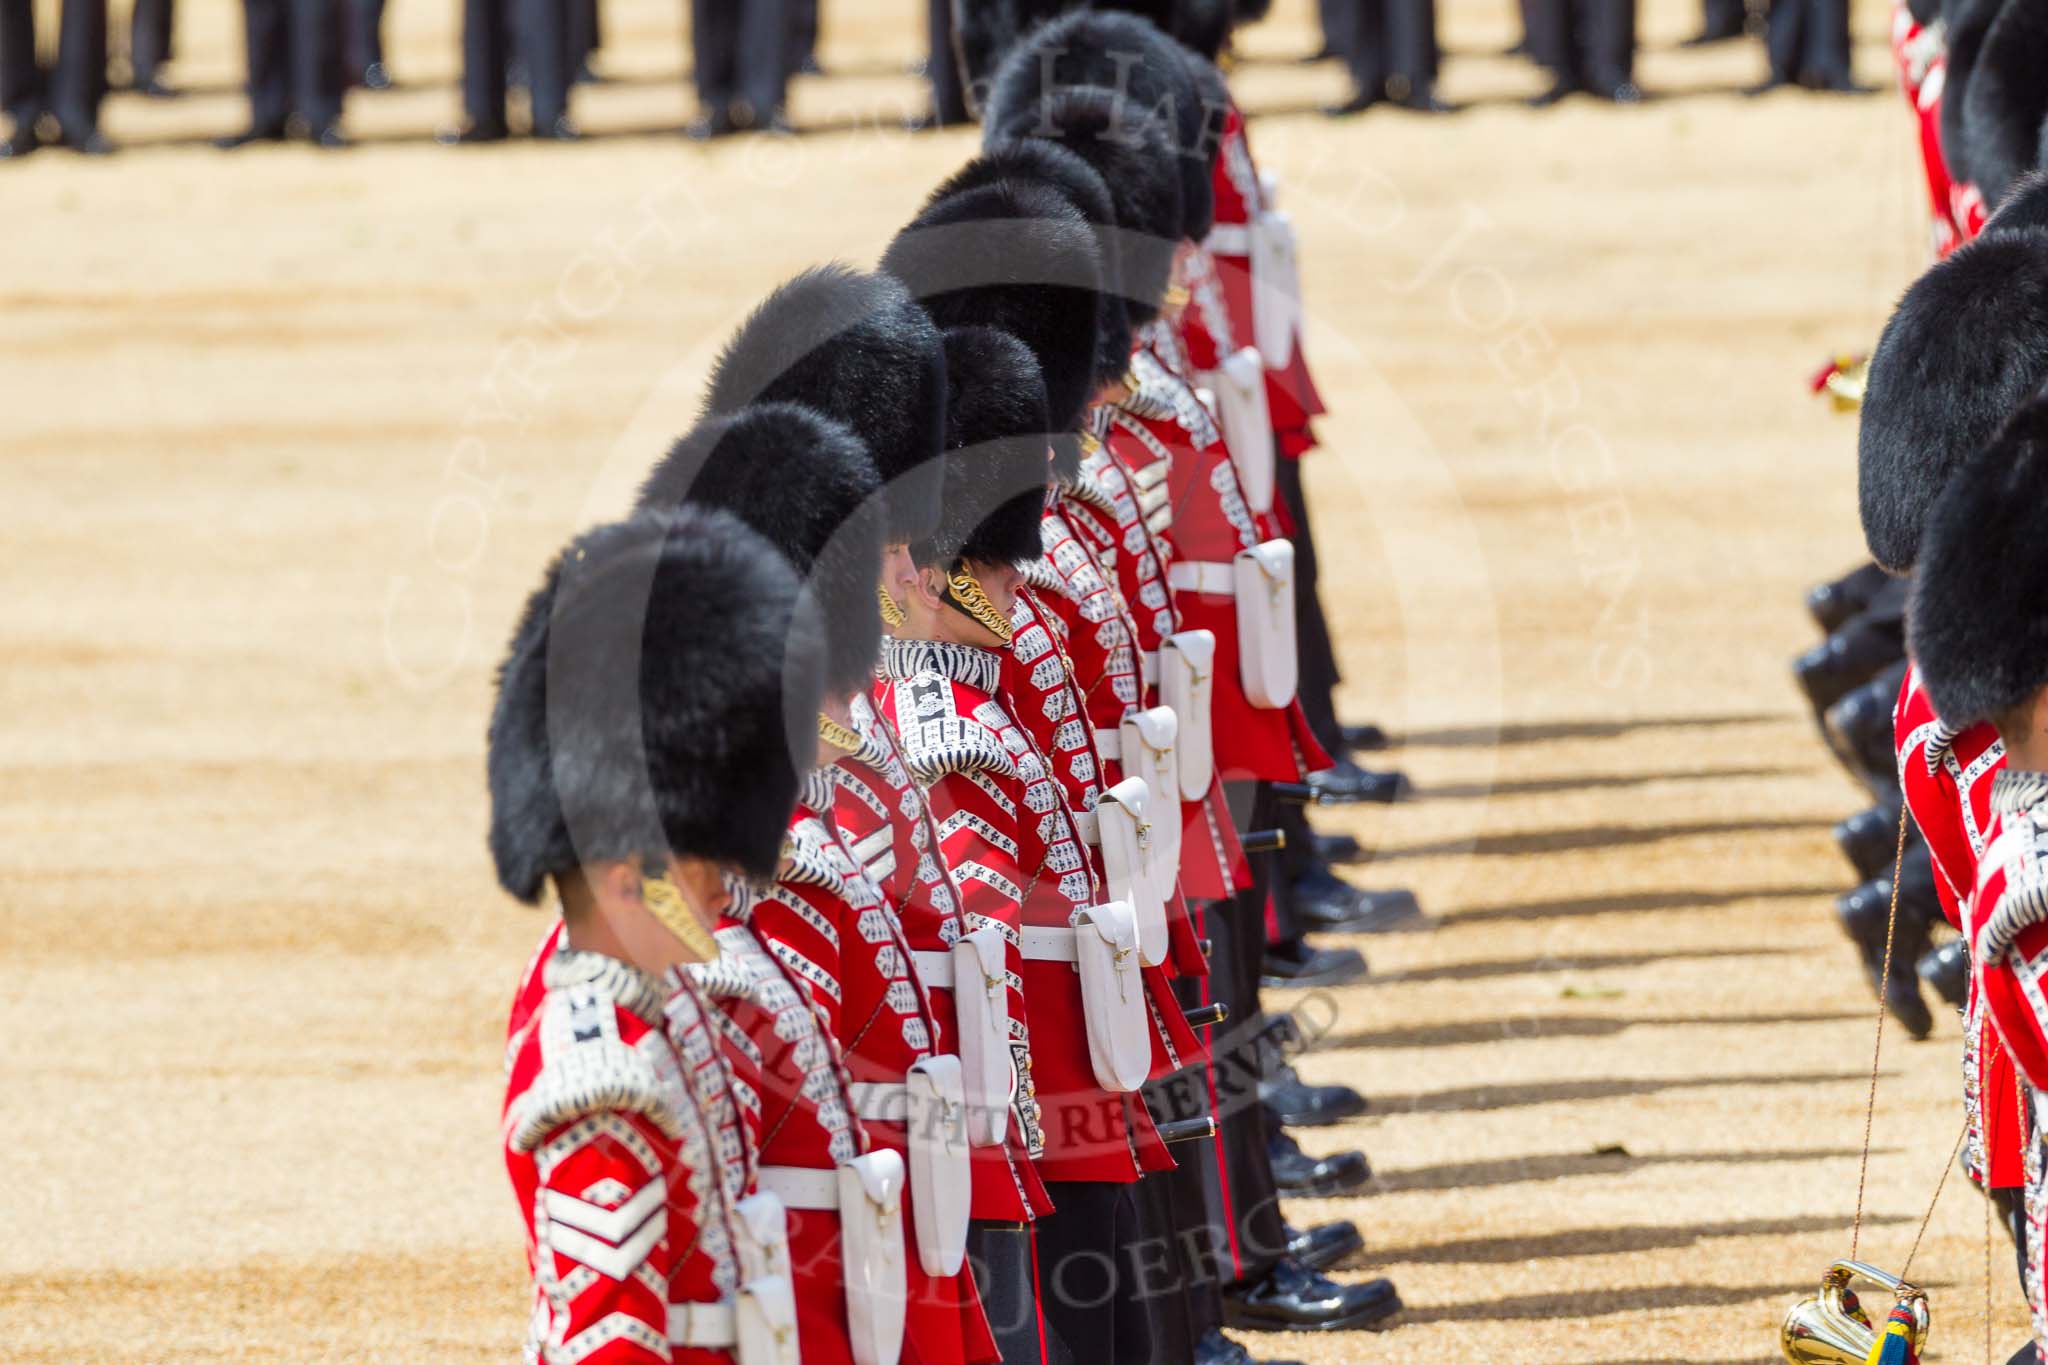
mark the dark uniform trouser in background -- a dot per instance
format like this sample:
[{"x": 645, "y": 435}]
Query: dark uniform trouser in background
[
  {"x": 73, "y": 89},
  {"x": 1808, "y": 37},
  {"x": 740, "y": 48},
  {"x": 949, "y": 105},
  {"x": 1724, "y": 16},
  {"x": 1587, "y": 42},
  {"x": 365, "y": 36},
  {"x": 1392, "y": 48},
  {"x": 294, "y": 62},
  {"x": 803, "y": 34},
  {"x": 1087, "y": 1277},
  {"x": 1319, "y": 673},
  {"x": 149, "y": 39},
  {"x": 1000, "y": 1254},
  {"x": 486, "y": 47}
]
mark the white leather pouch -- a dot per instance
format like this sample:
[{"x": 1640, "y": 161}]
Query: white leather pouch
[
  {"x": 1247, "y": 422},
  {"x": 1265, "y": 623},
  {"x": 1187, "y": 667},
  {"x": 871, "y": 1238},
  {"x": 1148, "y": 739},
  {"x": 764, "y": 1237},
  {"x": 764, "y": 1322},
  {"x": 1276, "y": 288},
  {"x": 1124, "y": 818},
  {"x": 1113, "y": 996},
  {"x": 941, "y": 1183},
  {"x": 981, "y": 1004}
]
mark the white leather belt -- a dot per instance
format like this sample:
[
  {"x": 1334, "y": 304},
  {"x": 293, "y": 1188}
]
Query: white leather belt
[
  {"x": 709, "y": 1325},
  {"x": 934, "y": 967},
  {"x": 802, "y": 1187},
  {"x": 882, "y": 1101},
  {"x": 1148, "y": 668},
  {"x": 1049, "y": 945},
  {"x": 1109, "y": 744},
  {"x": 1193, "y": 576},
  {"x": 1087, "y": 827},
  {"x": 1229, "y": 239}
]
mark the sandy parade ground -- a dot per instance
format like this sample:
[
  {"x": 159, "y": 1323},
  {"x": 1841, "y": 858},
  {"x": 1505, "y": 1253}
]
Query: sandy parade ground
[{"x": 289, "y": 435}]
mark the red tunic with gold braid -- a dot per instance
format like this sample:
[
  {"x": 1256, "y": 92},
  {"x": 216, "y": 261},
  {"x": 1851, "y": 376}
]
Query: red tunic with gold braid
[
  {"x": 2006, "y": 923},
  {"x": 1290, "y": 392},
  {"x": 885, "y": 819},
  {"x": 1093, "y": 656},
  {"x": 787, "y": 1069},
  {"x": 1125, "y": 525},
  {"x": 1006, "y": 831},
  {"x": 1203, "y": 328},
  {"x": 1947, "y": 776},
  {"x": 1043, "y": 685},
  {"x": 830, "y": 928},
  {"x": 613, "y": 1166},
  {"x": 1166, "y": 438}
]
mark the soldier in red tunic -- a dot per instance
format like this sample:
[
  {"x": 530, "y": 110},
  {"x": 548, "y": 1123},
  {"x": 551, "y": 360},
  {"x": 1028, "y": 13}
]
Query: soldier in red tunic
[
  {"x": 1967, "y": 345},
  {"x": 808, "y": 484},
  {"x": 1980, "y": 637},
  {"x": 638, "y": 1248}
]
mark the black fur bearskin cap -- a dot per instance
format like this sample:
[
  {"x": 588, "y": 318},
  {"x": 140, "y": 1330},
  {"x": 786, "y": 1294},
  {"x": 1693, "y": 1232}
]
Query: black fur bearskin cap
[
  {"x": 2025, "y": 206},
  {"x": 1018, "y": 257},
  {"x": 2007, "y": 100},
  {"x": 1133, "y": 154},
  {"x": 1214, "y": 92},
  {"x": 1977, "y": 620},
  {"x": 804, "y": 483},
  {"x": 1123, "y": 53},
  {"x": 1048, "y": 163},
  {"x": 647, "y": 703},
  {"x": 1967, "y": 22},
  {"x": 1966, "y": 346},
  {"x": 985, "y": 32},
  {"x": 997, "y": 437},
  {"x": 857, "y": 348}
]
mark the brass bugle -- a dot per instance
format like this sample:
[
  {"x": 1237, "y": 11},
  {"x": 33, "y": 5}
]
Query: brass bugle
[{"x": 1831, "y": 1328}]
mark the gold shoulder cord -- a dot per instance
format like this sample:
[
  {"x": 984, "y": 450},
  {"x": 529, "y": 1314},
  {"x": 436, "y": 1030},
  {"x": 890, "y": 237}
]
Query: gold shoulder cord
[
  {"x": 838, "y": 736},
  {"x": 966, "y": 590},
  {"x": 665, "y": 902}
]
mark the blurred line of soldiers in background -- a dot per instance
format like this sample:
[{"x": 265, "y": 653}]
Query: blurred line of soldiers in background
[{"x": 304, "y": 55}]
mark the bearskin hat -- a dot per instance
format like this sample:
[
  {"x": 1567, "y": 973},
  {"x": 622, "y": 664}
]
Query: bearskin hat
[
  {"x": 1019, "y": 257},
  {"x": 2024, "y": 206},
  {"x": 1119, "y": 52},
  {"x": 984, "y": 32},
  {"x": 857, "y": 348},
  {"x": 1965, "y": 347},
  {"x": 1204, "y": 26},
  {"x": 2007, "y": 100},
  {"x": 1048, "y": 163},
  {"x": 996, "y": 434},
  {"x": 1214, "y": 93},
  {"x": 647, "y": 701},
  {"x": 806, "y": 484},
  {"x": 1133, "y": 153},
  {"x": 1967, "y": 23},
  {"x": 1977, "y": 622}
]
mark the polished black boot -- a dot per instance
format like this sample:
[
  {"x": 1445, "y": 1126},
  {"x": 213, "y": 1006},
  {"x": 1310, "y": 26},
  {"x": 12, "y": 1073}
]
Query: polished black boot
[
  {"x": 1865, "y": 914},
  {"x": 1946, "y": 970},
  {"x": 1324, "y": 1246},
  {"x": 1216, "y": 1349},
  {"x": 1297, "y": 1175},
  {"x": 1298, "y": 964},
  {"x": 1338, "y": 848},
  {"x": 1360, "y": 739},
  {"x": 1347, "y": 783},
  {"x": 1869, "y": 839},
  {"x": 1294, "y": 1103},
  {"x": 1859, "y": 730},
  {"x": 1847, "y": 659},
  {"x": 1293, "y": 1298},
  {"x": 1832, "y": 604},
  {"x": 1325, "y": 901}
]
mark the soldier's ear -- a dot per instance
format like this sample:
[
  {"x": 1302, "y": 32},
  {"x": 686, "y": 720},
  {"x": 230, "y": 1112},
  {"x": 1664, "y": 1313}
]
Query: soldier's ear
[{"x": 931, "y": 585}]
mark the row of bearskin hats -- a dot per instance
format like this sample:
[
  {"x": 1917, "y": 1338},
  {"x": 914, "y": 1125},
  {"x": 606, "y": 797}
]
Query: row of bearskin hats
[
  {"x": 663, "y": 683},
  {"x": 1994, "y": 102},
  {"x": 1952, "y": 460}
]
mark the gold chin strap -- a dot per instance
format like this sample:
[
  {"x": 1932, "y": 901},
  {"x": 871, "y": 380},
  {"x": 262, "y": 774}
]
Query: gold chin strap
[
  {"x": 965, "y": 592},
  {"x": 1177, "y": 296},
  {"x": 665, "y": 902},
  {"x": 1090, "y": 443},
  {"x": 892, "y": 614},
  {"x": 837, "y": 735},
  {"x": 1131, "y": 380}
]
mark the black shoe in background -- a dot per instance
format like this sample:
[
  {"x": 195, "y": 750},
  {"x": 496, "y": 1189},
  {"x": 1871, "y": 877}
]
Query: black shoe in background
[
  {"x": 1346, "y": 784},
  {"x": 1294, "y": 1103},
  {"x": 1365, "y": 738},
  {"x": 1297, "y": 1175},
  {"x": 1325, "y": 901},
  {"x": 1299, "y": 965},
  {"x": 1293, "y": 1298},
  {"x": 1946, "y": 970},
  {"x": 1869, "y": 839},
  {"x": 1324, "y": 1246},
  {"x": 1833, "y": 604}
]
